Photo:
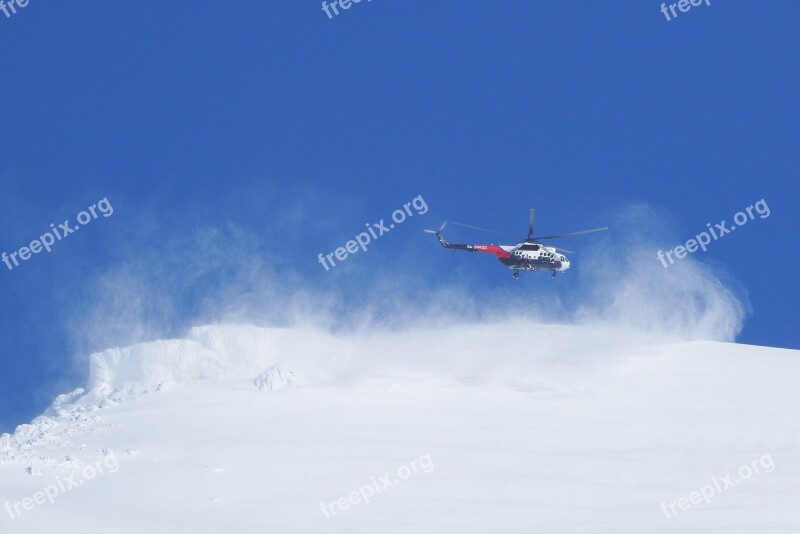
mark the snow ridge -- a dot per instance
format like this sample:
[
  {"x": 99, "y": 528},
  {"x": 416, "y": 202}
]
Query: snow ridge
[
  {"x": 209, "y": 354},
  {"x": 273, "y": 358}
]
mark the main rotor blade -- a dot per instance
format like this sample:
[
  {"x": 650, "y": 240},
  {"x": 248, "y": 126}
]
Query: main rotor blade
[
  {"x": 478, "y": 228},
  {"x": 530, "y": 223},
  {"x": 573, "y": 233},
  {"x": 565, "y": 251}
]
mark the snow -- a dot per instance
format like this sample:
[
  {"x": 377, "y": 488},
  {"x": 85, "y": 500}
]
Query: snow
[
  {"x": 275, "y": 378},
  {"x": 506, "y": 427}
]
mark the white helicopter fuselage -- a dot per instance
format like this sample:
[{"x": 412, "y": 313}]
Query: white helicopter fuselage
[{"x": 534, "y": 257}]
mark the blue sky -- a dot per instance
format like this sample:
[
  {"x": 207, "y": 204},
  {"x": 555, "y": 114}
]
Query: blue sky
[{"x": 236, "y": 141}]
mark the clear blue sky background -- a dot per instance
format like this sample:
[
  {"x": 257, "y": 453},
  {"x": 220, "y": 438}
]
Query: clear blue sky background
[{"x": 195, "y": 118}]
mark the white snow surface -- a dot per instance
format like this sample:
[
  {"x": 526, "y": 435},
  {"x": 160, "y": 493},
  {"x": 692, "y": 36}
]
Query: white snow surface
[{"x": 506, "y": 427}]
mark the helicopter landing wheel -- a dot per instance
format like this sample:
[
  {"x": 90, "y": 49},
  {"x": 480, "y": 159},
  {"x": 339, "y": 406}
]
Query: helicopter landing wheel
[
  {"x": 515, "y": 275},
  {"x": 554, "y": 274}
]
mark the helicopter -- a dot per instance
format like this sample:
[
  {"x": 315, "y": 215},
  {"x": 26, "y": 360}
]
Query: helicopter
[{"x": 527, "y": 255}]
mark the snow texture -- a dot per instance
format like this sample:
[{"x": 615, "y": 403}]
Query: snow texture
[{"x": 530, "y": 427}]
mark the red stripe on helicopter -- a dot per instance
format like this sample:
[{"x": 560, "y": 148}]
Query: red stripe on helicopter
[{"x": 492, "y": 249}]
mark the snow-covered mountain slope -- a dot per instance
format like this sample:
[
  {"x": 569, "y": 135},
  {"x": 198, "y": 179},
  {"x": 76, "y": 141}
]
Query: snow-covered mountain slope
[{"x": 478, "y": 428}]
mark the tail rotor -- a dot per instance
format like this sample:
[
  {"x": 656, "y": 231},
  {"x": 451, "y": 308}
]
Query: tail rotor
[{"x": 438, "y": 232}]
